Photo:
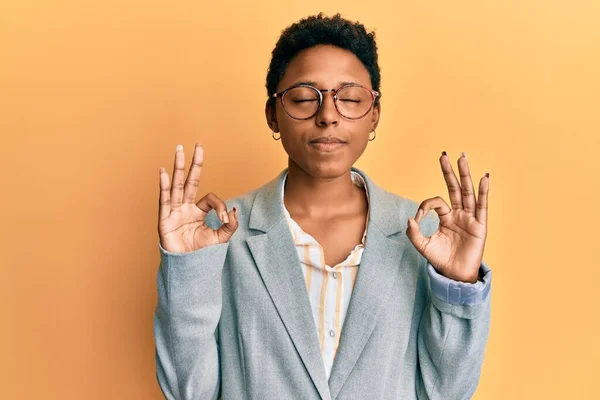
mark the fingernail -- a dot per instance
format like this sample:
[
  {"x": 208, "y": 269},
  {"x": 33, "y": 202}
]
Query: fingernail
[
  {"x": 464, "y": 154},
  {"x": 179, "y": 148},
  {"x": 235, "y": 212},
  {"x": 162, "y": 169},
  {"x": 225, "y": 217},
  {"x": 443, "y": 153},
  {"x": 487, "y": 174}
]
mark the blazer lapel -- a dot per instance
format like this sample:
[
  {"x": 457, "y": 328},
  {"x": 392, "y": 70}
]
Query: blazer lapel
[
  {"x": 279, "y": 266},
  {"x": 379, "y": 269}
]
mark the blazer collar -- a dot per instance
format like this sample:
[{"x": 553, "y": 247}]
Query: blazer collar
[
  {"x": 278, "y": 263},
  {"x": 383, "y": 206}
]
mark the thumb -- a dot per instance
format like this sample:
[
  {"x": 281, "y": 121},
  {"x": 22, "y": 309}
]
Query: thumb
[
  {"x": 415, "y": 236},
  {"x": 228, "y": 229}
]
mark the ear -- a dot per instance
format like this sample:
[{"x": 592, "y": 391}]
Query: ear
[
  {"x": 375, "y": 116},
  {"x": 270, "y": 115}
]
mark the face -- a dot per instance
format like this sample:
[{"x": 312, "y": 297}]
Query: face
[{"x": 326, "y": 67}]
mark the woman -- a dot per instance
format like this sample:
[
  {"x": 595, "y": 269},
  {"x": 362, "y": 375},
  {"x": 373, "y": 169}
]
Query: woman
[{"x": 320, "y": 284}]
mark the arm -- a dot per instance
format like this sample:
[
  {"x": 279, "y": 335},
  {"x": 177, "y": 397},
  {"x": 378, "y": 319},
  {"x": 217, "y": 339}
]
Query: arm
[
  {"x": 452, "y": 335},
  {"x": 185, "y": 322},
  {"x": 455, "y": 323},
  {"x": 461, "y": 293}
]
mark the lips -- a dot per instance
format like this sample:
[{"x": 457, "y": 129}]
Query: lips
[
  {"x": 327, "y": 140},
  {"x": 327, "y": 145}
]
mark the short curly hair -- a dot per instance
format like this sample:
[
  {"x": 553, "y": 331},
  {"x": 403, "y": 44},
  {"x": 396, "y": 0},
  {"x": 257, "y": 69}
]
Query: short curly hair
[{"x": 315, "y": 30}]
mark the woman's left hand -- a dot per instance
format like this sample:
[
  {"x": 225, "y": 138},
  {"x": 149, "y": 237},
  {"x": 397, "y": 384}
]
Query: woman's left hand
[{"x": 456, "y": 249}]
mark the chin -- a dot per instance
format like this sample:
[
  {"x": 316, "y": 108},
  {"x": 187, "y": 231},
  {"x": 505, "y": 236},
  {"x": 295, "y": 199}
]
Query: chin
[
  {"x": 327, "y": 170},
  {"x": 323, "y": 166}
]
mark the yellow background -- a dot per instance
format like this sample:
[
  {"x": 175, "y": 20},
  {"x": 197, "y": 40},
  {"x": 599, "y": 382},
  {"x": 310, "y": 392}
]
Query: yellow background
[{"x": 94, "y": 97}]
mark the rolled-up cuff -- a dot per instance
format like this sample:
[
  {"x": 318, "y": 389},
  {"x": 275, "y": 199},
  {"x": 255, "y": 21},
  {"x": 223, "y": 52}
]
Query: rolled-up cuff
[{"x": 460, "y": 293}]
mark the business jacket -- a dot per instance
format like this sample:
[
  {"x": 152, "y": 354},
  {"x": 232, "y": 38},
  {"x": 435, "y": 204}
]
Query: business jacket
[{"x": 234, "y": 319}]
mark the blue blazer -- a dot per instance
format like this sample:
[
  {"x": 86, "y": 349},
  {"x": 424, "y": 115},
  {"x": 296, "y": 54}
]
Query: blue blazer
[{"x": 233, "y": 320}]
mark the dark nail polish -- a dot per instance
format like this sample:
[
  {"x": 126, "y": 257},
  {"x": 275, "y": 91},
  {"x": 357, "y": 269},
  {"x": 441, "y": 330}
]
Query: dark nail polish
[
  {"x": 443, "y": 153},
  {"x": 487, "y": 174}
]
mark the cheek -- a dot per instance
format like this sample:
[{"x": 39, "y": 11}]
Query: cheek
[
  {"x": 360, "y": 132},
  {"x": 295, "y": 133},
  {"x": 292, "y": 138},
  {"x": 284, "y": 121},
  {"x": 292, "y": 130},
  {"x": 360, "y": 142}
]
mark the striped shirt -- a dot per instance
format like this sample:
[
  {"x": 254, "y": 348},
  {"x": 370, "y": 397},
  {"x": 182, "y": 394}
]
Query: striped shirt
[{"x": 329, "y": 287}]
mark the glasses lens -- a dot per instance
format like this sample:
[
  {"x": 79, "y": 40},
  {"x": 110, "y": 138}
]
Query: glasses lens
[
  {"x": 301, "y": 102},
  {"x": 354, "y": 101}
]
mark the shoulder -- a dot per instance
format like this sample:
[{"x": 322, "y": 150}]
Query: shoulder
[
  {"x": 391, "y": 211},
  {"x": 406, "y": 207},
  {"x": 242, "y": 203}
]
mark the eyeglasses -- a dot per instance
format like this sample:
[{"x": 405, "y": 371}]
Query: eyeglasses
[{"x": 352, "y": 101}]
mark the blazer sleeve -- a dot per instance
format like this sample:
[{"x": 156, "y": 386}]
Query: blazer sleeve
[
  {"x": 186, "y": 320},
  {"x": 452, "y": 333},
  {"x": 455, "y": 292}
]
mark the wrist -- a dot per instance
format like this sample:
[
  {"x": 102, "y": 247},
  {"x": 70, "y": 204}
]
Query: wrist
[{"x": 473, "y": 278}]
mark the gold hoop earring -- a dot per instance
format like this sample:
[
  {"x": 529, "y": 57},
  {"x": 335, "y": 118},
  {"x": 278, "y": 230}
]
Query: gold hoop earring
[
  {"x": 374, "y": 136},
  {"x": 273, "y": 135}
]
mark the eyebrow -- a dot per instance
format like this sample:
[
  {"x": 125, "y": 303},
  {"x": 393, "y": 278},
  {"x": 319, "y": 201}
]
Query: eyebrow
[{"x": 313, "y": 83}]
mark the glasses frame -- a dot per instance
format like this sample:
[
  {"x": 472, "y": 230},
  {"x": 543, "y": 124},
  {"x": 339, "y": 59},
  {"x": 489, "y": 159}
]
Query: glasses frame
[{"x": 281, "y": 95}]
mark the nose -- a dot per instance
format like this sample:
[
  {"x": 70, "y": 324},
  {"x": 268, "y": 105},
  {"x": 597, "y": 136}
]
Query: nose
[{"x": 328, "y": 114}]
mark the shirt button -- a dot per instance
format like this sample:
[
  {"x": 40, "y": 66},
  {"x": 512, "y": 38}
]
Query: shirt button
[
  {"x": 332, "y": 333},
  {"x": 335, "y": 275}
]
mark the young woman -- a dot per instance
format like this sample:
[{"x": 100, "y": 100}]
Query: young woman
[{"x": 320, "y": 284}]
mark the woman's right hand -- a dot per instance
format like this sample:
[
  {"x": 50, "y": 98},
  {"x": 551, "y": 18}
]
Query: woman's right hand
[{"x": 181, "y": 221}]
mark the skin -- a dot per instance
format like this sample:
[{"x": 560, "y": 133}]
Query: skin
[
  {"x": 319, "y": 193},
  {"x": 456, "y": 249}
]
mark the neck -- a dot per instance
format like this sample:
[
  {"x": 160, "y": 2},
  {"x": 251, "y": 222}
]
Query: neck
[{"x": 316, "y": 197}]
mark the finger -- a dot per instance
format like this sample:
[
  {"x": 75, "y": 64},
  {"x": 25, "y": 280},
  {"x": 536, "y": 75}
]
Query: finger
[
  {"x": 482, "y": 202},
  {"x": 226, "y": 230},
  {"x": 454, "y": 189},
  {"x": 437, "y": 204},
  {"x": 164, "y": 199},
  {"x": 212, "y": 202},
  {"x": 469, "y": 201},
  {"x": 193, "y": 179},
  {"x": 416, "y": 237},
  {"x": 178, "y": 177}
]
